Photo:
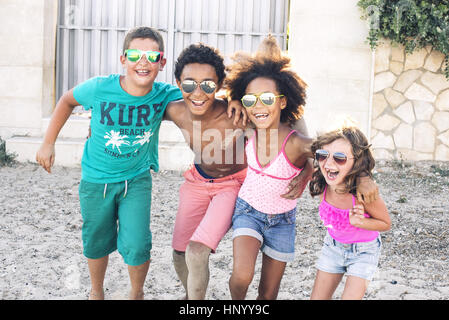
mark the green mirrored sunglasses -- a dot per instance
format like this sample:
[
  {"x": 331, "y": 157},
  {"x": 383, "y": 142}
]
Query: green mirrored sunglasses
[{"x": 134, "y": 55}]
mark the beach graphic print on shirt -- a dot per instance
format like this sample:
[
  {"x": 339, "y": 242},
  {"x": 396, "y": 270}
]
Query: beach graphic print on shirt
[
  {"x": 143, "y": 139},
  {"x": 128, "y": 128},
  {"x": 116, "y": 140}
]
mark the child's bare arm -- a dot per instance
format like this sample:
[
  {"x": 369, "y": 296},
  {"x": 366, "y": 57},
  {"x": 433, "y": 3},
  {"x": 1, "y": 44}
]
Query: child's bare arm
[
  {"x": 299, "y": 145},
  {"x": 45, "y": 156},
  {"x": 379, "y": 219},
  {"x": 299, "y": 183}
]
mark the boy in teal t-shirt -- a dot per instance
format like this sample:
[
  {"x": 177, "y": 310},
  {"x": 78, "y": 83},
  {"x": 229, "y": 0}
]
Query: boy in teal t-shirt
[
  {"x": 115, "y": 188},
  {"x": 125, "y": 128}
]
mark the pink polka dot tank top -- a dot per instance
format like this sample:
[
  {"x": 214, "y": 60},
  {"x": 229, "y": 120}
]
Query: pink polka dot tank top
[
  {"x": 338, "y": 226},
  {"x": 263, "y": 186}
]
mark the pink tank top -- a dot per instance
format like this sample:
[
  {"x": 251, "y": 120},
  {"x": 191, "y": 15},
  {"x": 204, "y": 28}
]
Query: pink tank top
[
  {"x": 263, "y": 186},
  {"x": 337, "y": 222}
]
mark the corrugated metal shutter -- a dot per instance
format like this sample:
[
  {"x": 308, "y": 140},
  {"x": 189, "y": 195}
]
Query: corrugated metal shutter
[{"x": 90, "y": 33}]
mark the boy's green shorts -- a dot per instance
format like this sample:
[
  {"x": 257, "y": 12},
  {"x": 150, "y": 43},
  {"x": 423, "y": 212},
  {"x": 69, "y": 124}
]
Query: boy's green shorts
[{"x": 117, "y": 216}]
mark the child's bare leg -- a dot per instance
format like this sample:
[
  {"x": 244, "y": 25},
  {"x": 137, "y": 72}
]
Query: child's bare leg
[
  {"x": 270, "y": 279},
  {"x": 97, "y": 270},
  {"x": 137, "y": 275},
  {"x": 179, "y": 262},
  {"x": 197, "y": 260},
  {"x": 355, "y": 288},
  {"x": 325, "y": 285},
  {"x": 245, "y": 250}
]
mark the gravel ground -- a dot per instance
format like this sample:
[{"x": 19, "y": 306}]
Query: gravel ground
[{"x": 41, "y": 249}]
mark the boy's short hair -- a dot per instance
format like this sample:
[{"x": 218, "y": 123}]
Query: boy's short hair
[
  {"x": 204, "y": 54},
  {"x": 145, "y": 33}
]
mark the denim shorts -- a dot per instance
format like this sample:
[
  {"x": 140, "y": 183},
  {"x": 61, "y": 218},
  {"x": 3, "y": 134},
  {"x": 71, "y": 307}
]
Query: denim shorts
[
  {"x": 355, "y": 259},
  {"x": 276, "y": 232}
]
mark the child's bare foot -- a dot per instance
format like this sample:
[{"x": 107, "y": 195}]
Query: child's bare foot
[
  {"x": 96, "y": 295},
  {"x": 139, "y": 295}
]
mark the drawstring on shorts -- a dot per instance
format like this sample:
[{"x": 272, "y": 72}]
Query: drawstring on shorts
[{"x": 106, "y": 187}]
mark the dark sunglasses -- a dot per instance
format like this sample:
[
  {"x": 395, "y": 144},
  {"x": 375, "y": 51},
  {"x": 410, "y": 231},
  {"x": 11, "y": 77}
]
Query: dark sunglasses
[
  {"x": 134, "y": 55},
  {"x": 208, "y": 86},
  {"x": 267, "y": 98},
  {"x": 339, "y": 157}
]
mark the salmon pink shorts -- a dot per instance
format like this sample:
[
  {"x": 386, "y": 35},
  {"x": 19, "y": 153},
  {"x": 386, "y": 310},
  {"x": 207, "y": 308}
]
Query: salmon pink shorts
[{"x": 205, "y": 209}]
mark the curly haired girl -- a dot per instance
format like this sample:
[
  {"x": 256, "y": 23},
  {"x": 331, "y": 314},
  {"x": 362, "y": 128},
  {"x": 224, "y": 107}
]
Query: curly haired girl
[
  {"x": 273, "y": 96},
  {"x": 352, "y": 244}
]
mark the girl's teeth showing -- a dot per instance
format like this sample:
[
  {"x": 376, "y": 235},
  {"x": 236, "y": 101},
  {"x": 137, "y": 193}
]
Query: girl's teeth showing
[
  {"x": 261, "y": 116},
  {"x": 332, "y": 175}
]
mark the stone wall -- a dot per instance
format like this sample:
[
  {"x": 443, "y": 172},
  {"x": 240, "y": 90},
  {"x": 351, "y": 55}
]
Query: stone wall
[{"x": 410, "y": 112}]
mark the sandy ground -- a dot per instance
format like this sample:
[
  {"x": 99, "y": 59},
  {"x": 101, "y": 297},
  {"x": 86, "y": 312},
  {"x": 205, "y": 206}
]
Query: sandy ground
[{"x": 41, "y": 249}]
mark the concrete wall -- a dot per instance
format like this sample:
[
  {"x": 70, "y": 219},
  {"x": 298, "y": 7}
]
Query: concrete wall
[
  {"x": 27, "y": 62},
  {"x": 328, "y": 50}
]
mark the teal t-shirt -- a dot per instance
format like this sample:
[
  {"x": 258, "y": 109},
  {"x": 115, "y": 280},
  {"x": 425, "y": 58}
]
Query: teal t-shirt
[{"x": 124, "y": 128}]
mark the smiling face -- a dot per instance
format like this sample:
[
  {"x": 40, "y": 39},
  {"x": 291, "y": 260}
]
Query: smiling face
[
  {"x": 265, "y": 117},
  {"x": 333, "y": 172},
  {"x": 140, "y": 75},
  {"x": 198, "y": 101}
]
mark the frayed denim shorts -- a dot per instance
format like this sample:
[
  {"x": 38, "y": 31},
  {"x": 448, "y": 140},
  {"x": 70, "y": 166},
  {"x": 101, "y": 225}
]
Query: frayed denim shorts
[
  {"x": 355, "y": 259},
  {"x": 276, "y": 232}
]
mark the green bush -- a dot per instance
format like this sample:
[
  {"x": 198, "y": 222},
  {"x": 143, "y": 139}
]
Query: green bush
[
  {"x": 414, "y": 24},
  {"x": 6, "y": 159}
]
